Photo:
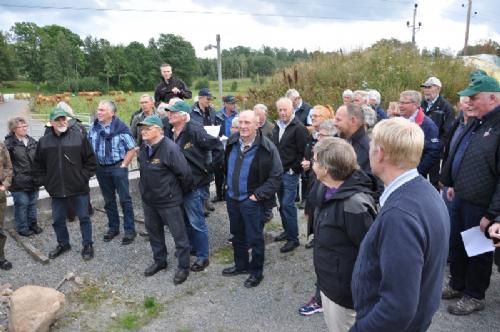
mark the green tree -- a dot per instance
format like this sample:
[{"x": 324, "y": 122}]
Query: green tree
[
  {"x": 7, "y": 62},
  {"x": 180, "y": 54},
  {"x": 28, "y": 47}
]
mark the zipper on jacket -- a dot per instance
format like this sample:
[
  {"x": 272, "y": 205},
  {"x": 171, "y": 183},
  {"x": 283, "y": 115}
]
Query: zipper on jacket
[{"x": 59, "y": 154}]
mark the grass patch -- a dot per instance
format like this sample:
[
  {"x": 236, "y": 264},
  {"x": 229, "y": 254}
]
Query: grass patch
[
  {"x": 272, "y": 227},
  {"x": 91, "y": 296},
  {"x": 223, "y": 255},
  {"x": 139, "y": 315}
]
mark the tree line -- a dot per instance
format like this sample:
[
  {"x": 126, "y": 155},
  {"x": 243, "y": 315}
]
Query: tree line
[{"x": 58, "y": 58}]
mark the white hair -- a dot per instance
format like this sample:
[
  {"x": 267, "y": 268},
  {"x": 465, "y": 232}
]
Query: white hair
[
  {"x": 292, "y": 93},
  {"x": 261, "y": 107},
  {"x": 374, "y": 94},
  {"x": 347, "y": 93}
]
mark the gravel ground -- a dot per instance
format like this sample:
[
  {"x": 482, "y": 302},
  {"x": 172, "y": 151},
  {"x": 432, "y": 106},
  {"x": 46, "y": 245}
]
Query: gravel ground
[{"x": 207, "y": 301}]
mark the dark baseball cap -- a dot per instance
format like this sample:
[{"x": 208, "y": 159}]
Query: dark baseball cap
[
  {"x": 205, "y": 92},
  {"x": 229, "y": 100}
]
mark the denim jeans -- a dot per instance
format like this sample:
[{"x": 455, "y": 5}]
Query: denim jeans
[
  {"x": 24, "y": 209},
  {"x": 59, "y": 213},
  {"x": 468, "y": 274},
  {"x": 195, "y": 222},
  {"x": 112, "y": 180},
  {"x": 156, "y": 218},
  {"x": 246, "y": 220},
  {"x": 288, "y": 210}
]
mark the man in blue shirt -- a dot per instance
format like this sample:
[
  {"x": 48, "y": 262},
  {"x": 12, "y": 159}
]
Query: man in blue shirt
[{"x": 114, "y": 147}]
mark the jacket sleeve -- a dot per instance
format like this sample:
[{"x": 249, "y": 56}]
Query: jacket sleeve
[
  {"x": 494, "y": 207},
  {"x": 448, "y": 120},
  {"x": 39, "y": 166},
  {"x": 432, "y": 149},
  {"x": 185, "y": 92},
  {"x": 399, "y": 293},
  {"x": 180, "y": 168},
  {"x": 89, "y": 163},
  {"x": 301, "y": 138},
  {"x": 269, "y": 188},
  {"x": 7, "y": 172},
  {"x": 157, "y": 96}
]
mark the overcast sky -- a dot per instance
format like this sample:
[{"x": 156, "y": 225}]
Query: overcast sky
[{"x": 313, "y": 24}]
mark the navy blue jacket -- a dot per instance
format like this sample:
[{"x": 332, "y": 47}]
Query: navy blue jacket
[
  {"x": 165, "y": 175},
  {"x": 432, "y": 144},
  {"x": 206, "y": 118},
  {"x": 398, "y": 276}
]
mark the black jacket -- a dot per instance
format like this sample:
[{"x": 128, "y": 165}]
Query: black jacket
[
  {"x": 22, "y": 158},
  {"x": 65, "y": 163},
  {"x": 163, "y": 91},
  {"x": 442, "y": 113},
  {"x": 361, "y": 144},
  {"x": 292, "y": 145},
  {"x": 303, "y": 112},
  {"x": 478, "y": 177},
  {"x": 264, "y": 178},
  {"x": 340, "y": 224},
  {"x": 201, "y": 151},
  {"x": 204, "y": 118},
  {"x": 165, "y": 176}
]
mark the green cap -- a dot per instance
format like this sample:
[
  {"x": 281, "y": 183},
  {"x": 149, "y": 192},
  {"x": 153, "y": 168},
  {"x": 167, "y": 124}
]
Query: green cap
[
  {"x": 152, "y": 120},
  {"x": 480, "y": 83},
  {"x": 56, "y": 113},
  {"x": 180, "y": 106},
  {"x": 477, "y": 73}
]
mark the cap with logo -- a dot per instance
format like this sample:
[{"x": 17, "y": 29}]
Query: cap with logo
[
  {"x": 57, "y": 113},
  {"x": 480, "y": 83}
]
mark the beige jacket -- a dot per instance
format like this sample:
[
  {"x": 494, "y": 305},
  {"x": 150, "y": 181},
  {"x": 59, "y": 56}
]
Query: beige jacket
[{"x": 5, "y": 167}]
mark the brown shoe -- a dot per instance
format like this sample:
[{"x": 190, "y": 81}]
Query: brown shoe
[
  {"x": 450, "y": 293},
  {"x": 466, "y": 306}
]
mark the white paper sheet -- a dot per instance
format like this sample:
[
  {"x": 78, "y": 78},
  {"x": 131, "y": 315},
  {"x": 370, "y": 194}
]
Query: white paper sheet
[
  {"x": 475, "y": 242},
  {"x": 212, "y": 130}
]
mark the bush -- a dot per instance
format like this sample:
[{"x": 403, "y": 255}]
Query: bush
[
  {"x": 82, "y": 84},
  {"x": 234, "y": 86},
  {"x": 389, "y": 66},
  {"x": 202, "y": 83}
]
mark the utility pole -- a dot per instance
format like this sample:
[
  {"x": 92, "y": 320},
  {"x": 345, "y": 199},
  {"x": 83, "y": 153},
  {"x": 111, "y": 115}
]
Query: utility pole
[
  {"x": 219, "y": 62},
  {"x": 219, "y": 66},
  {"x": 414, "y": 26},
  {"x": 469, "y": 8}
]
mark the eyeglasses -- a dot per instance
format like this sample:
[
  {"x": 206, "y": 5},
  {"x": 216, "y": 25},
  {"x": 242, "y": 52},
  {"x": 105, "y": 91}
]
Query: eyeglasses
[{"x": 405, "y": 102}]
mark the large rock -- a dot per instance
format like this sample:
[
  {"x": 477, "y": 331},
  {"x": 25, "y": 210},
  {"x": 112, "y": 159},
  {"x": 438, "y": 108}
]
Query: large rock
[{"x": 34, "y": 308}]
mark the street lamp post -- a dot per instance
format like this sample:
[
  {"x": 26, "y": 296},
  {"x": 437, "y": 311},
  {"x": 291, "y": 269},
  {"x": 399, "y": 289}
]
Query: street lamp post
[{"x": 219, "y": 62}]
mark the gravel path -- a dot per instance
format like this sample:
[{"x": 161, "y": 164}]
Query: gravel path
[{"x": 207, "y": 301}]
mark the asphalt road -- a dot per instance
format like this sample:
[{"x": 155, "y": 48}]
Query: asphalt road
[{"x": 9, "y": 110}]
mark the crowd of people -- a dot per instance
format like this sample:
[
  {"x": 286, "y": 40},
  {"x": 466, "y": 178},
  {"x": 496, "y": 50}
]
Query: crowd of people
[{"x": 385, "y": 194}]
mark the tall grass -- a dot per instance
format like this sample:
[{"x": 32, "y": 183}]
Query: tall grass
[{"x": 389, "y": 67}]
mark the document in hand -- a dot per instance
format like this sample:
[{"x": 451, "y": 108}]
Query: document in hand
[{"x": 475, "y": 242}]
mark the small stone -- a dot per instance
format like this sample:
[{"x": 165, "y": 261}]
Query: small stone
[
  {"x": 6, "y": 292},
  {"x": 78, "y": 281},
  {"x": 113, "y": 315}
]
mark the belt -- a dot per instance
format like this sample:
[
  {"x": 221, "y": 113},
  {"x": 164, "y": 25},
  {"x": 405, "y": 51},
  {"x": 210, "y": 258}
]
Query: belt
[{"x": 111, "y": 165}]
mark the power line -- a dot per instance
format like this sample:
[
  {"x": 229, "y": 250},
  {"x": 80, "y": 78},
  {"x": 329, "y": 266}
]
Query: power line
[{"x": 172, "y": 11}]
